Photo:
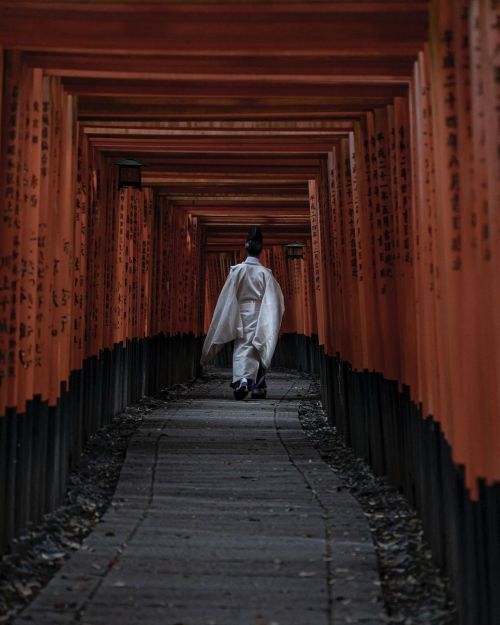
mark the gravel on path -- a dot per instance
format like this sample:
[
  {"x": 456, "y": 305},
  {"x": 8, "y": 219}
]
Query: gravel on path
[
  {"x": 41, "y": 549},
  {"x": 413, "y": 588}
]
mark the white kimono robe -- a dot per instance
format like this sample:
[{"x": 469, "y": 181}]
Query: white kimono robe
[{"x": 249, "y": 311}]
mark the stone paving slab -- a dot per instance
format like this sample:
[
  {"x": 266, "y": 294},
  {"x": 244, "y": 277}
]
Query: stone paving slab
[{"x": 224, "y": 514}]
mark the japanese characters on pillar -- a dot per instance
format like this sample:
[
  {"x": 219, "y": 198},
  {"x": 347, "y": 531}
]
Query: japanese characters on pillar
[
  {"x": 36, "y": 235},
  {"x": 404, "y": 267},
  {"x": 447, "y": 101},
  {"x": 455, "y": 238},
  {"x": 351, "y": 308},
  {"x": 338, "y": 243},
  {"x": 78, "y": 257},
  {"x": 80, "y": 253},
  {"x": 406, "y": 252},
  {"x": 318, "y": 261},
  {"x": 176, "y": 265},
  {"x": 9, "y": 232},
  {"x": 483, "y": 25},
  {"x": 356, "y": 231},
  {"x": 424, "y": 229},
  {"x": 365, "y": 245}
]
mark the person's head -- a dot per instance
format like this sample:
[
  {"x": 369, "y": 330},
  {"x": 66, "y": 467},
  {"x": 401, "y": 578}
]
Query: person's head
[{"x": 254, "y": 243}]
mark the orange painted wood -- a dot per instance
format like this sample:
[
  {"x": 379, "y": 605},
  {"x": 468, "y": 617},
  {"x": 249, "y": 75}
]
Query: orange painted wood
[
  {"x": 209, "y": 68},
  {"x": 348, "y": 132},
  {"x": 321, "y": 29}
]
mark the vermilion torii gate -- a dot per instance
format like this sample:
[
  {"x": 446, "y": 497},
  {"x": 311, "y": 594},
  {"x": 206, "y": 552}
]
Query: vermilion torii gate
[{"x": 368, "y": 131}]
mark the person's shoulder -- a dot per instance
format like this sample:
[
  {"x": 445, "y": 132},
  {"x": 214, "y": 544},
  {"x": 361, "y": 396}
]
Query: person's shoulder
[{"x": 267, "y": 272}]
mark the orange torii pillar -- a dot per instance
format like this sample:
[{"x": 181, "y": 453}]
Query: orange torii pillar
[
  {"x": 406, "y": 261},
  {"x": 84, "y": 327}
]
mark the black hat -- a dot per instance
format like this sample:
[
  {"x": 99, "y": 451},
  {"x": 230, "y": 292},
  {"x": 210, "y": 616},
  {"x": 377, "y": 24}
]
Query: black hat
[
  {"x": 254, "y": 234},
  {"x": 254, "y": 241}
]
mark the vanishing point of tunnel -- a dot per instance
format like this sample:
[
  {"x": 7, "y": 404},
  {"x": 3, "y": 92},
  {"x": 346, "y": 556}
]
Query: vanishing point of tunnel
[{"x": 355, "y": 478}]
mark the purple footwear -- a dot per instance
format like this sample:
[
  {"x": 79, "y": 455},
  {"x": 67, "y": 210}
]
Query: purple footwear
[{"x": 259, "y": 393}]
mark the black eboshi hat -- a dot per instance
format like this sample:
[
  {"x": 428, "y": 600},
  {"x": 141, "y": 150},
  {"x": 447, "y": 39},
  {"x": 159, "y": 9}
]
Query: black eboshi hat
[{"x": 254, "y": 240}]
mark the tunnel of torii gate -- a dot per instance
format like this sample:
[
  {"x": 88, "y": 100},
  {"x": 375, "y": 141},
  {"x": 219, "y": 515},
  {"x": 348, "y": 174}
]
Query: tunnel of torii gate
[{"x": 367, "y": 131}]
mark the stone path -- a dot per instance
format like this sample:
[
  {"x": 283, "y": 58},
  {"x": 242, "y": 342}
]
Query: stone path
[{"x": 224, "y": 515}]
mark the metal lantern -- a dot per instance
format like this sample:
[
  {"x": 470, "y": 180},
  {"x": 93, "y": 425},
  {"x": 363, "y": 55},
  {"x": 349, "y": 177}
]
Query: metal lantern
[
  {"x": 294, "y": 251},
  {"x": 129, "y": 173}
]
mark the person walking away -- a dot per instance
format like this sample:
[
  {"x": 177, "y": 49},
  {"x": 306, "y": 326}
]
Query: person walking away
[{"x": 249, "y": 312}]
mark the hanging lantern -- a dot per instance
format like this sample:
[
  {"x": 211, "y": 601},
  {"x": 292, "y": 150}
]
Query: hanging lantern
[
  {"x": 129, "y": 174},
  {"x": 294, "y": 251}
]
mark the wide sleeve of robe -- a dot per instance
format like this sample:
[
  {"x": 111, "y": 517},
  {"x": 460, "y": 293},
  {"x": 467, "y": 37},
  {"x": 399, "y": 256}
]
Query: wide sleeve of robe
[
  {"x": 226, "y": 323},
  {"x": 269, "y": 321}
]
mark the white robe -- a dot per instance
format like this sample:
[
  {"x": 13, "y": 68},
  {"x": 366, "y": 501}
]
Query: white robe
[{"x": 249, "y": 311}]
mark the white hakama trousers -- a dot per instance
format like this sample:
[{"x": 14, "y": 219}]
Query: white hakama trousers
[{"x": 246, "y": 359}]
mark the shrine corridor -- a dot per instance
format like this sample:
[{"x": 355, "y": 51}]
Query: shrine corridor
[{"x": 138, "y": 141}]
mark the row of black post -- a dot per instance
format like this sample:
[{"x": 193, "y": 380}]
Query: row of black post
[{"x": 39, "y": 447}]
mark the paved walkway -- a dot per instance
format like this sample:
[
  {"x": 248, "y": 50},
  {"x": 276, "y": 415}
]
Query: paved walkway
[{"x": 224, "y": 515}]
